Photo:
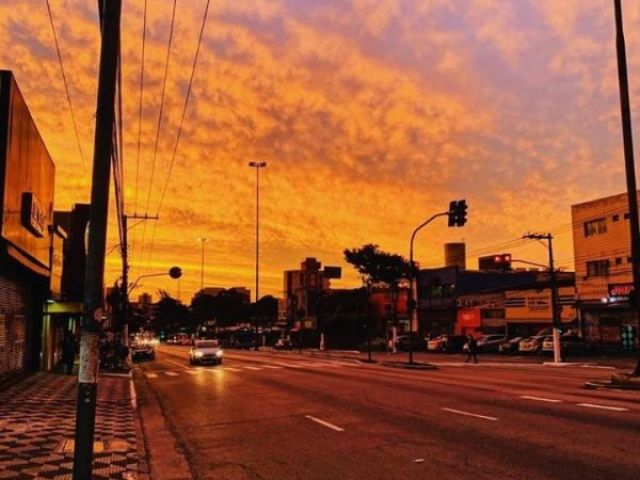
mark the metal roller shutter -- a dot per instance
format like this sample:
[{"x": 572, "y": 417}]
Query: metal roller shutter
[{"x": 13, "y": 322}]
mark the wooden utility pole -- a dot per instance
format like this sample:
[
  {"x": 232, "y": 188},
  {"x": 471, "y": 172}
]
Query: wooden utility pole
[
  {"x": 627, "y": 137},
  {"x": 94, "y": 276}
]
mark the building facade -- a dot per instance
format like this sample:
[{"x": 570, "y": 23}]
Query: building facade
[
  {"x": 27, "y": 175},
  {"x": 303, "y": 291},
  {"x": 602, "y": 252}
]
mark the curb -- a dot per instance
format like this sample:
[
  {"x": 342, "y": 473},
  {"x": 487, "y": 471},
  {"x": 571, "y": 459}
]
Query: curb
[
  {"x": 408, "y": 366},
  {"x": 143, "y": 465},
  {"x": 595, "y": 385}
]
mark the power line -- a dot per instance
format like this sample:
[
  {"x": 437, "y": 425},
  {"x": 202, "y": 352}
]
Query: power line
[
  {"x": 180, "y": 125},
  {"x": 66, "y": 86},
  {"x": 144, "y": 39},
  {"x": 155, "y": 151}
]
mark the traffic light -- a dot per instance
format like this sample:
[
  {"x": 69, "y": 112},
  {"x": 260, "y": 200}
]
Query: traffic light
[{"x": 457, "y": 213}]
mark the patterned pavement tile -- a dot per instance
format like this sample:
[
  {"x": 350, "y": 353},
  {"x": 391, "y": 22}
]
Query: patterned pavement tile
[{"x": 37, "y": 416}]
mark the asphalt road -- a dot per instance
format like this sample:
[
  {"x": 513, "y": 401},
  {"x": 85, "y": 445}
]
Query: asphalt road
[{"x": 264, "y": 415}]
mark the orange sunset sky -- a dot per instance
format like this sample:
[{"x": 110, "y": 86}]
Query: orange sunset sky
[{"x": 372, "y": 115}]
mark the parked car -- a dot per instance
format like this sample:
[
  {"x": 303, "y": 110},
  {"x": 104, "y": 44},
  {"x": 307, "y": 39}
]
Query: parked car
[
  {"x": 402, "y": 343},
  {"x": 142, "y": 351},
  {"x": 490, "y": 343},
  {"x": 283, "y": 344},
  {"x": 205, "y": 352},
  {"x": 447, "y": 343},
  {"x": 510, "y": 346},
  {"x": 531, "y": 344},
  {"x": 570, "y": 345}
]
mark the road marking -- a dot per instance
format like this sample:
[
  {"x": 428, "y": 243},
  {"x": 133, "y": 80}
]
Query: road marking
[
  {"x": 252, "y": 368},
  {"x": 312, "y": 365},
  {"x": 540, "y": 399},
  {"x": 602, "y": 367},
  {"x": 603, "y": 407},
  {"x": 325, "y": 424},
  {"x": 181, "y": 365},
  {"x": 192, "y": 372},
  {"x": 171, "y": 374},
  {"x": 460, "y": 412},
  {"x": 232, "y": 369},
  {"x": 270, "y": 366},
  {"x": 151, "y": 375}
]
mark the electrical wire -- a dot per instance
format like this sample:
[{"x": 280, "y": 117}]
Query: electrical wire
[
  {"x": 180, "y": 127},
  {"x": 66, "y": 88}
]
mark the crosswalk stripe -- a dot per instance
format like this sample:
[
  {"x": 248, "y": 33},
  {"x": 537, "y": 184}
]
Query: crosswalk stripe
[
  {"x": 270, "y": 366},
  {"x": 171, "y": 374},
  {"x": 151, "y": 375},
  {"x": 252, "y": 368},
  {"x": 192, "y": 372},
  {"x": 232, "y": 369}
]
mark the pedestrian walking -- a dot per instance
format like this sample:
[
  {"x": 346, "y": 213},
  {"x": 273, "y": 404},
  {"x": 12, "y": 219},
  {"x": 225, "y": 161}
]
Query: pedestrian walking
[
  {"x": 69, "y": 351},
  {"x": 472, "y": 350}
]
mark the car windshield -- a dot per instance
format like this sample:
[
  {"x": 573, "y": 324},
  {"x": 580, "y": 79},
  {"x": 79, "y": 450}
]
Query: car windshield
[{"x": 207, "y": 344}]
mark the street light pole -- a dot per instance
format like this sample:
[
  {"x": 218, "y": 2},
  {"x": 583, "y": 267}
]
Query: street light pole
[
  {"x": 553, "y": 284},
  {"x": 202, "y": 240},
  {"x": 413, "y": 304},
  {"x": 257, "y": 166}
]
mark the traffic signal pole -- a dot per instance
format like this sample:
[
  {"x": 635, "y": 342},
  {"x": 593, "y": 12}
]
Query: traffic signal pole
[
  {"x": 93, "y": 288},
  {"x": 629, "y": 163}
]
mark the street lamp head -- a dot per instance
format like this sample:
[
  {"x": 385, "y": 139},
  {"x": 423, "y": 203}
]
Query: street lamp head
[
  {"x": 203, "y": 239},
  {"x": 258, "y": 164}
]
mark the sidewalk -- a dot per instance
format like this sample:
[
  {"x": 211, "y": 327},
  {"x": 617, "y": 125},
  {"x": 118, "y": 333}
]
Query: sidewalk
[
  {"x": 37, "y": 421},
  {"x": 621, "y": 362}
]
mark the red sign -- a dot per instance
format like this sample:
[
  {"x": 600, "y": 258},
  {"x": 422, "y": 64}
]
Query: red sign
[{"x": 620, "y": 289}]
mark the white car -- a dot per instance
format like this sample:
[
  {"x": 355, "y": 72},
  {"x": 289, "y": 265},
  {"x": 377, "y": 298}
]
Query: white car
[{"x": 205, "y": 352}]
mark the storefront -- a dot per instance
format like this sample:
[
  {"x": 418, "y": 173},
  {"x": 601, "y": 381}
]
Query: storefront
[{"x": 26, "y": 193}]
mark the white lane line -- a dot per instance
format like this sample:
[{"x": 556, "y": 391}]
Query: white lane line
[
  {"x": 602, "y": 367},
  {"x": 325, "y": 424},
  {"x": 252, "y": 368},
  {"x": 171, "y": 374},
  {"x": 312, "y": 365},
  {"x": 151, "y": 375},
  {"x": 541, "y": 399},
  {"x": 232, "y": 369},
  {"x": 181, "y": 365},
  {"x": 271, "y": 366},
  {"x": 460, "y": 412},
  {"x": 603, "y": 407}
]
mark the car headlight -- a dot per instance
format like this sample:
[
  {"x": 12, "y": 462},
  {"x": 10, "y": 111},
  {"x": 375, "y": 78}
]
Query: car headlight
[
  {"x": 219, "y": 353},
  {"x": 199, "y": 354}
]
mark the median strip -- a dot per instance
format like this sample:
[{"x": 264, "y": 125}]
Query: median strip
[
  {"x": 469, "y": 414},
  {"x": 603, "y": 407},
  {"x": 540, "y": 399},
  {"x": 325, "y": 424}
]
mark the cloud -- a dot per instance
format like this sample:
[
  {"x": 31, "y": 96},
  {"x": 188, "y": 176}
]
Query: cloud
[{"x": 372, "y": 115}]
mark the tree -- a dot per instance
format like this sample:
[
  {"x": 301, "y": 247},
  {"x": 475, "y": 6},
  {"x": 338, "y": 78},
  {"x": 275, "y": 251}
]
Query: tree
[
  {"x": 267, "y": 309},
  {"x": 170, "y": 313},
  {"x": 204, "y": 308},
  {"x": 232, "y": 308},
  {"x": 379, "y": 268}
]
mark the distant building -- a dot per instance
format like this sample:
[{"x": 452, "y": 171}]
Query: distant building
[
  {"x": 602, "y": 252},
  {"x": 451, "y": 300},
  {"x": 303, "y": 290}
]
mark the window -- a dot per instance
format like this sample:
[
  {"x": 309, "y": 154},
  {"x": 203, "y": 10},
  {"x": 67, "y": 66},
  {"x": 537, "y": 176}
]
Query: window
[
  {"x": 629, "y": 260},
  {"x": 615, "y": 218},
  {"x": 595, "y": 227},
  {"x": 626, "y": 216},
  {"x": 618, "y": 260},
  {"x": 598, "y": 268}
]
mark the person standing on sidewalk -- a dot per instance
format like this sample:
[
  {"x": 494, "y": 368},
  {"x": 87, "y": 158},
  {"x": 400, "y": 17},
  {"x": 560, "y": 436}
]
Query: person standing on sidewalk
[
  {"x": 472, "y": 347},
  {"x": 69, "y": 348}
]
